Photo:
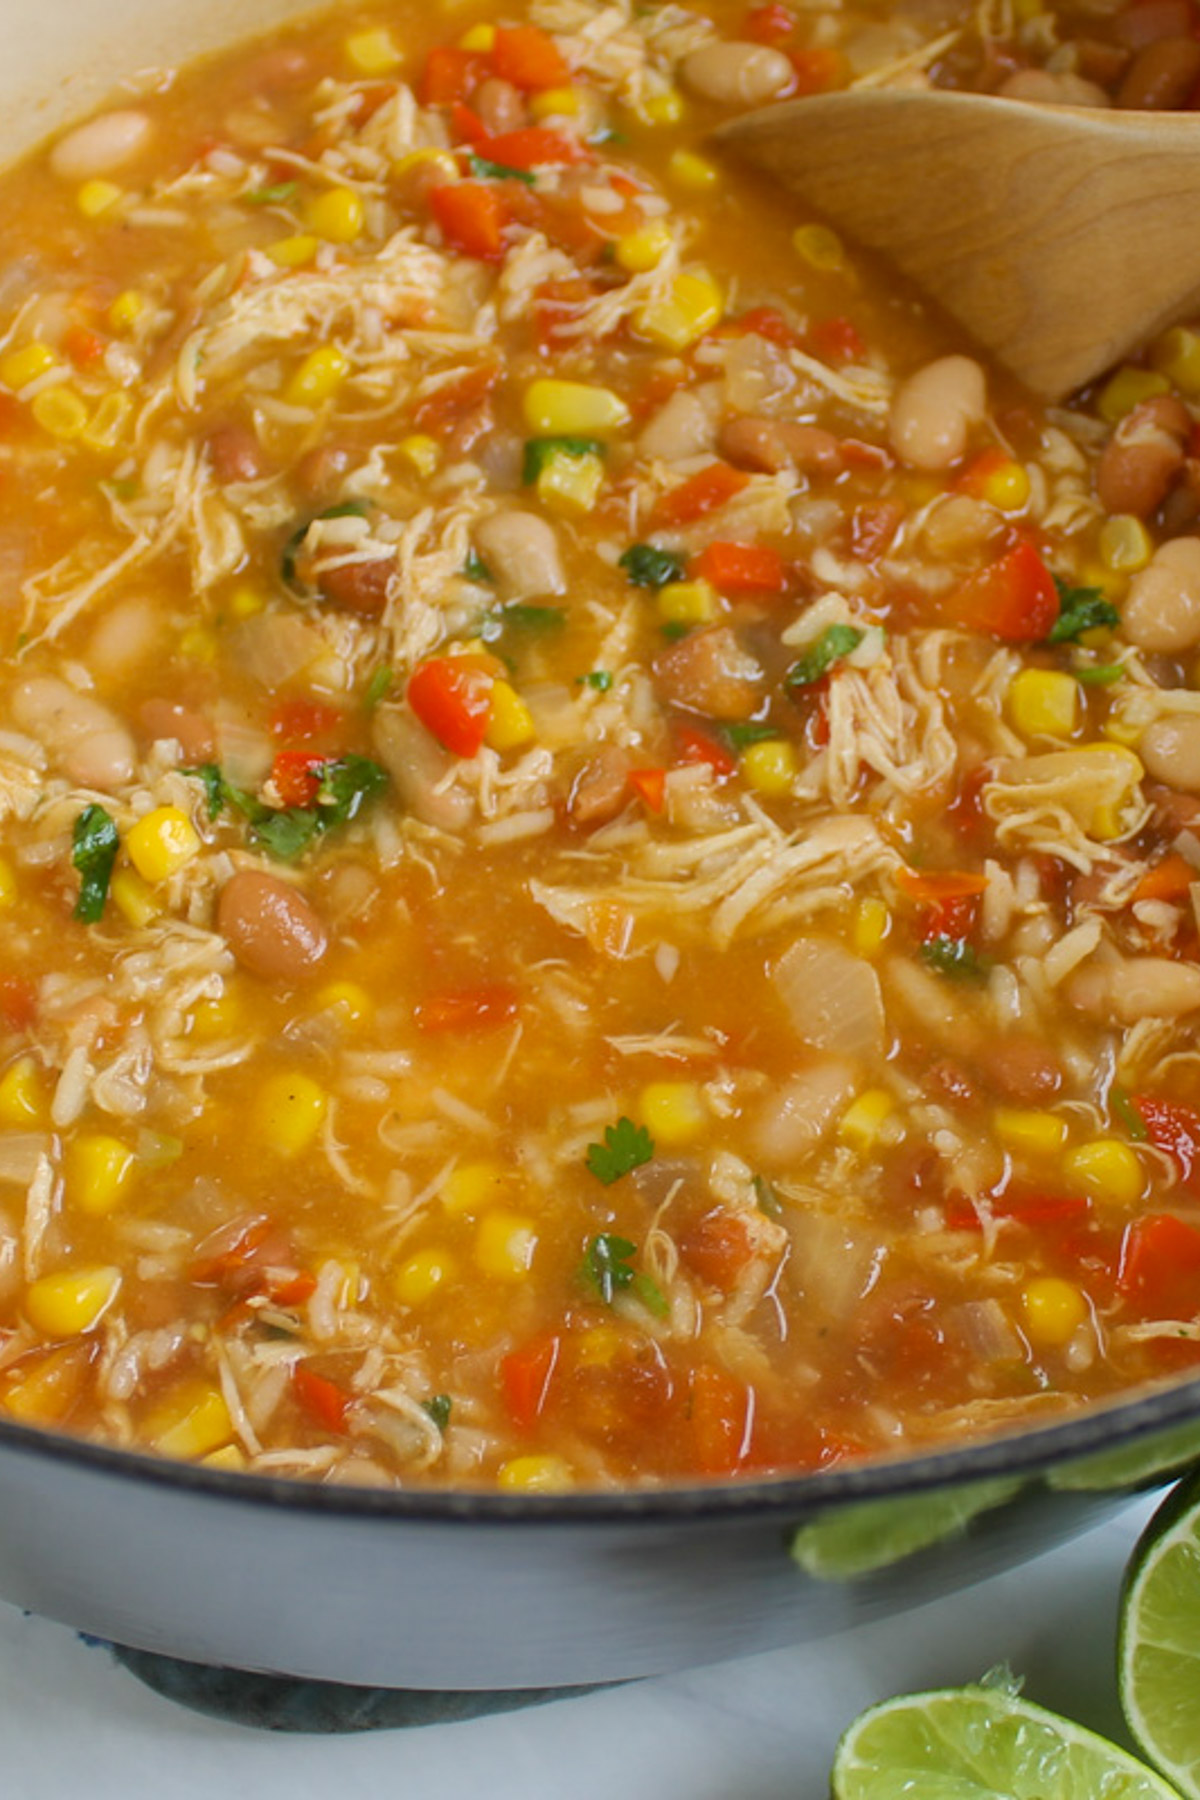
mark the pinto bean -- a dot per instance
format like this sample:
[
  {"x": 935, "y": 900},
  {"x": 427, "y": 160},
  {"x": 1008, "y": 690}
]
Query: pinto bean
[
  {"x": 1162, "y": 608},
  {"x": 1148, "y": 20},
  {"x": 1170, "y": 749},
  {"x": 319, "y": 474},
  {"x": 270, "y": 927},
  {"x": 1100, "y": 62},
  {"x": 774, "y": 444},
  {"x": 499, "y": 104},
  {"x": 1143, "y": 456},
  {"x": 601, "y": 787},
  {"x": 90, "y": 742},
  {"x": 1131, "y": 988},
  {"x": 1021, "y": 1068},
  {"x": 1161, "y": 76},
  {"x": 710, "y": 673},
  {"x": 736, "y": 73},
  {"x": 522, "y": 552},
  {"x": 167, "y": 719},
  {"x": 235, "y": 454},
  {"x": 1043, "y": 88},
  {"x": 101, "y": 145},
  {"x": 934, "y": 411},
  {"x": 358, "y": 587}
]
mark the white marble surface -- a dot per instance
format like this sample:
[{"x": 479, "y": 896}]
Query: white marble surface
[{"x": 73, "y": 1723}]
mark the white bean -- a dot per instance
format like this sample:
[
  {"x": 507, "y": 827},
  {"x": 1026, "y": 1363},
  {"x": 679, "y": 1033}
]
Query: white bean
[
  {"x": 127, "y": 635},
  {"x": 1170, "y": 749},
  {"x": 1129, "y": 989},
  {"x": 521, "y": 551},
  {"x": 682, "y": 426},
  {"x": 101, "y": 145},
  {"x": 1045, "y": 88},
  {"x": 1162, "y": 609},
  {"x": 801, "y": 1111},
  {"x": 90, "y": 742},
  {"x": 934, "y": 411},
  {"x": 737, "y": 73}
]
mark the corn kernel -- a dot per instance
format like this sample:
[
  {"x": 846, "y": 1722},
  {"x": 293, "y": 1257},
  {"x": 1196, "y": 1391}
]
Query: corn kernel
[
  {"x": 217, "y": 1018},
  {"x": 1106, "y": 1169},
  {"x": 247, "y": 599},
  {"x": 134, "y": 899},
  {"x": 687, "y": 603},
  {"x": 21, "y": 367},
  {"x": 419, "y": 1279},
  {"x": 536, "y": 1475},
  {"x": 201, "y": 1424},
  {"x": 373, "y": 52},
  {"x": 821, "y": 248},
  {"x": 1054, "y": 1310},
  {"x": 294, "y": 252},
  {"x": 72, "y": 1301},
  {"x": 860, "y": 1124},
  {"x": 198, "y": 644},
  {"x": 338, "y": 215},
  {"x": 600, "y": 1347},
  {"x": 511, "y": 722},
  {"x": 421, "y": 453},
  {"x": 106, "y": 427},
  {"x": 663, "y": 109},
  {"x": 318, "y": 378},
  {"x": 572, "y": 409},
  {"x": 97, "y": 1172},
  {"x": 693, "y": 306},
  {"x": 96, "y": 197},
  {"x": 229, "y": 1457},
  {"x": 1043, "y": 702},
  {"x": 1005, "y": 485},
  {"x": 8, "y": 883},
  {"x": 1177, "y": 356},
  {"x": 554, "y": 103},
  {"x": 1030, "y": 1132},
  {"x": 471, "y": 1186},
  {"x": 673, "y": 1112},
  {"x": 351, "y": 1002},
  {"x": 1125, "y": 544},
  {"x": 1127, "y": 389},
  {"x": 480, "y": 38},
  {"x": 162, "y": 843},
  {"x": 872, "y": 924},
  {"x": 291, "y": 1111},
  {"x": 770, "y": 767},
  {"x": 60, "y": 412},
  {"x": 642, "y": 250},
  {"x": 126, "y": 310},
  {"x": 44, "y": 1394},
  {"x": 504, "y": 1245},
  {"x": 570, "y": 485},
  {"x": 22, "y": 1095},
  {"x": 441, "y": 160},
  {"x": 695, "y": 173}
]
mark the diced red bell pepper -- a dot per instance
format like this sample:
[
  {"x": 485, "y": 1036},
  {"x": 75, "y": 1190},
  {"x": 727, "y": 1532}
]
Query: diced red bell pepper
[
  {"x": 296, "y": 776},
  {"x": 1174, "y": 1128},
  {"x": 741, "y": 568},
  {"x": 526, "y": 1375},
  {"x": 528, "y": 58},
  {"x": 770, "y": 24},
  {"x": 321, "y": 1397},
  {"x": 650, "y": 785},
  {"x": 766, "y": 322},
  {"x": 1160, "y": 1266},
  {"x": 722, "y": 1416},
  {"x": 717, "y": 1247},
  {"x": 836, "y": 340},
  {"x": 934, "y": 886},
  {"x": 480, "y": 1008},
  {"x": 18, "y": 1002},
  {"x": 468, "y": 125},
  {"x": 1014, "y": 598},
  {"x": 534, "y": 147},
  {"x": 85, "y": 348},
  {"x": 1170, "y": 879},
  {"x": 452, "y": 697},
  {"x": 232, "y": 1251},
  {"x": 472, "y": 217},
  {"x": 291, "y": 1290},
  {"x": 695, "y": 746},
  {"x": 705, "y": 492},
  {"x": 449, "y": 75},
  {"x": 302, "y": 721},
  {"x": 1034, "y": 1210},
  {"x": 818, "y": 71}
]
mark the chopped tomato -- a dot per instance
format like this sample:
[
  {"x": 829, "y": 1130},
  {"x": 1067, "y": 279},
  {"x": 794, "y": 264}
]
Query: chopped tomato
[
  {"x": 322, "y": 1398},
  {"x": 528, "y": 58},
  {"x": 1034, "y": 1210},
  {"x": 767, "y": 322},
  {"x": 1170, "y": 879},
  {"x": 291, "y": 1290},
  {"x": 451, "y": 402},
  {"x": 818, "y": 71},
  {"x": 1174, "y": 1128},
  {"x": 770, "y": 24},
  {"x": 18, "y": 1002},
  {"x": 1014, "y": 598},
  {"x": 229, "y": 1250},
  {"x": 472, "y": 217},
  {"x": 296, "y": 777},
  {"x": 650, "y": 785},
  {"x": 741, "y": 568},
  {"x": 695, "y": 746},
  {"x": 954, "y": 918},
  {"x": 533, "y": 147},
  {"x": 722, "y": 1415},
  {"x": 452, "y": 697},
  {"x": 933, "y": 886},
  {"x": 717, "y": 1247},
  {"x": 85, "y": 348},
  {"x": 469, "y": 126},
  {"x": 836, "y": 341},
  {"x": 703, "y": 493},
  {"x": 300, "y": 721},
  {"x": 468, "y": 1009},
  {"x": 449, "y": 74},
  {"x": 526, "y": 1375},
  {"x": 555, "y": 305},
  {"x": 1160, "y": 1266}
]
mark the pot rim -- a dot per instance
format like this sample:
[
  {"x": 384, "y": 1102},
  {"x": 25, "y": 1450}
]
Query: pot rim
[{"x": 1029, "y": 1452}]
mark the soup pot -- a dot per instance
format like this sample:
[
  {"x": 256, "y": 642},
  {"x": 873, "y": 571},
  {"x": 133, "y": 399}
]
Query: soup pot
[{"x": 471, "y": 1591}]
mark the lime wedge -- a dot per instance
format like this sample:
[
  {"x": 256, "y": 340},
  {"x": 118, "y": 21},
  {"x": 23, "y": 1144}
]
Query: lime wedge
[
  {"x": 854, "y": 1540},
  {"x": 1162, "y": 1454},
  {"x": 1158, "y": 1654},
  {"x": 982, "y": 1743}
]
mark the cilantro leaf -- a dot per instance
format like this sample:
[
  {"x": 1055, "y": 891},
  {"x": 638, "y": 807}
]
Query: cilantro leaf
[
  {"x": 600, "y": 679},
  {"x": 954, "y": 957},
  {"x": 94, "y": 845},
  {"x": 645, "y": 565},
  {"x": 768, "y": 1200},
  {"x": 439, "y": 1407},
  {"x": 522, "y": 617},
  {"x": 1099, "y": 674},
  {"x": 834, "y": 642},
  {"x": 284, "y": 835},
  {"x": 214, "y": 787},
  {"x": 606, "y": 1264},
  {"x": 378, "y": 687},
  {"x": 1123, "y": 1108},
  {"x": 626, "y": 1146},
  {"x": 742, "y": 736},
  {"x": 475, "y": 569},
  {"x": 494, "y": 171},
  {"x": 1080, "y": 609},
  {"x": 542, "y": 450},
  {"x": 647, "y": 1290},
  {"x": 271, "y": 196},
  {"x": 347, "y": 785}
]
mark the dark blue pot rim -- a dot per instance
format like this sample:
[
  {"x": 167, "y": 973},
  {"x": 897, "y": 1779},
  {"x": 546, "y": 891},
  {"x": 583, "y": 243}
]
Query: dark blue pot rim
[{"x": 1026, "y": 1452}]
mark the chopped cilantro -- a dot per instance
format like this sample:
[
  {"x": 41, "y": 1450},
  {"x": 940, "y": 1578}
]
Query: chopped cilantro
[
  {"x": 378, "y": 687},
  {"x": 646, "y": 565},
  {"x": 541, "y": 450},
  {"x": 600, "y": 679},
  {"x": 95, "y": 843},
  {"x": 270, "y": 196},
  {"x": 834, "y": 642},
  {"x": 674, "y": 629},
  {"x": 347, "y": 785},
  {"x": 475, "y": 569},
  {"x": 214, "y": 787},
  {"x": 606, "y": 1264},
  {"x": 438, "y": 1407},
  {"x": 522, "y": 617},
  {"x": 1099, "y": 674},
  {"x": 284, "y": 835},
  {"x": 626, "y": 1146},
  {"x": 1080, "y": 609},
  {"x": 954, "y": 957},
  {"x": 647, "y": 1290},
  {"x": 768, "y": 1200},
  {"x": 1123, "y": 1108},
  {"x": 752, "y": 732},
  {"x": 494, "y": 171}
]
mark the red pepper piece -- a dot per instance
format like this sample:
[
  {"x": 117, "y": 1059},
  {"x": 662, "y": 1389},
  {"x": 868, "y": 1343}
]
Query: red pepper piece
[
  {"x": 836, "y": 341},
  {"x": 1174, "y": 1128},
  {"x": 526, "y": 1375},
  {"x": 468, "y": 1009},
  {"x": 449, "y": 75},
  {"x": 296, "y": 776},
  {"x": 1160, "y": 1266},
  {"x": 322, "y": 1398},
  {"x": 471, "y": 217},
  {"x": 650, "y": 785},
  {"x": 722, "y": 1416},
  {"x": 452, "y": 697},
  {"x": 528, "y": 58},
  {"x": 695, "y": 746},
  {"x": 741, "y": 568},
  {"x": 1014, "y": 598},
  {"x": 703, "y": 493},
  {"x": 534, "y": 147},
  {"x": 770, "y": 24},
  {"x": 302, "y": 721}
]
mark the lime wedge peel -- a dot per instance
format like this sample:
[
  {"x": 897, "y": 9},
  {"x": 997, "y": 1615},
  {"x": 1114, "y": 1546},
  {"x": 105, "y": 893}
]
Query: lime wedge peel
[
  {"x": 859, "y": 1539},
  {"x": 1158, "y": 1652},
  {"x": 983, "y": 1743}
]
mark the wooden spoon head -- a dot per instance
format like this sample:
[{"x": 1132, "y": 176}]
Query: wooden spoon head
[{"x": 1060, "y": 238}]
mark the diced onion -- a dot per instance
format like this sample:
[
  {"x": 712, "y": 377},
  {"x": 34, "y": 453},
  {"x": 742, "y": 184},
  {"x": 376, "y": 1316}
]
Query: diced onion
[{"x": 832, "y": 997}]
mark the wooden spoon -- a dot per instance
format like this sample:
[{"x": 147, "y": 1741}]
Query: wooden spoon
[{"x": 1060, "y": 237}]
